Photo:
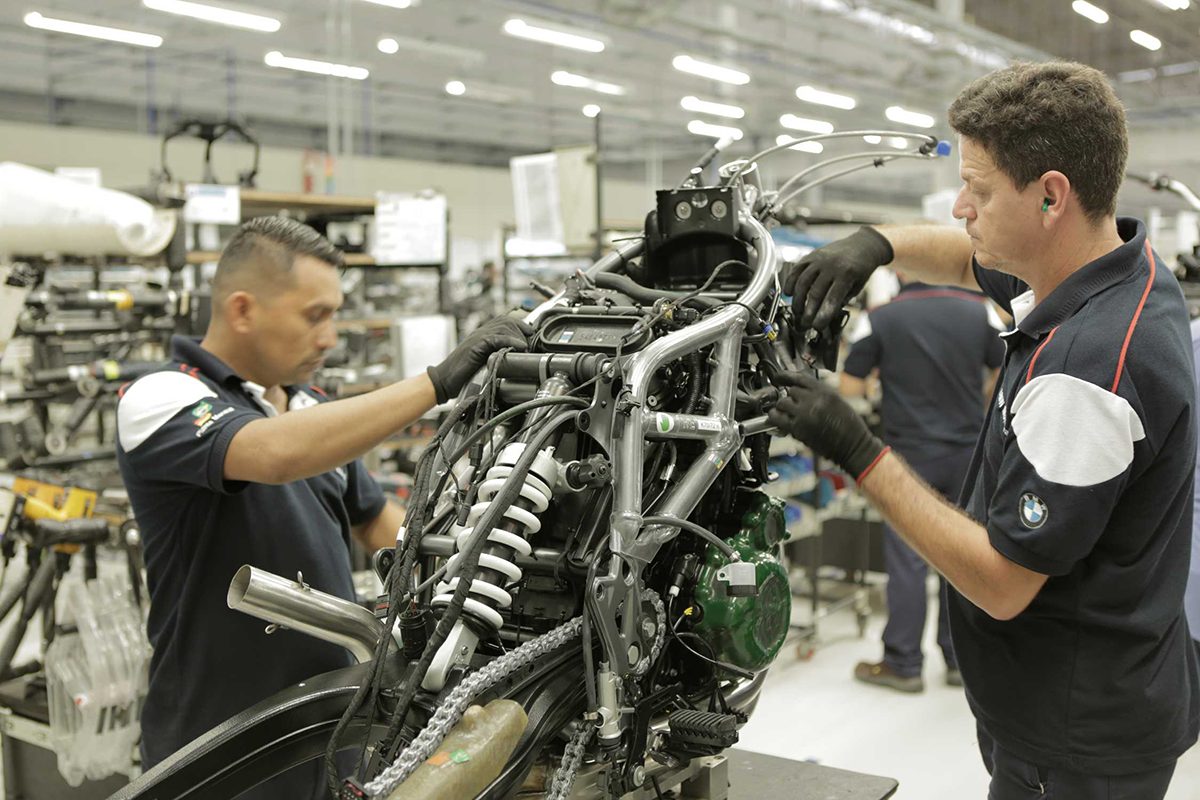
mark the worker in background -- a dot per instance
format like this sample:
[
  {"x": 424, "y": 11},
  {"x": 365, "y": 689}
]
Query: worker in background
[
  {"x": 1068, "y": 566},
  {"x": 1192, "y": 593},
  {"x": 230, "y": 457},
  {"x": 936, "y": 349}
]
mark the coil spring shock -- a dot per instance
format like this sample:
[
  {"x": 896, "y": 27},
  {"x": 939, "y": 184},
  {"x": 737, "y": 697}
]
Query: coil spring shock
[{"x": 499, "y": 570}]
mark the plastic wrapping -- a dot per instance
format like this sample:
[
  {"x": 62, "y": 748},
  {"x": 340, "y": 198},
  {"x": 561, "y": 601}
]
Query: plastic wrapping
[
  {"x": 469, "y": 758},
  {"x": 96, "y": 681},
  {"x": 41, "y": 212}
]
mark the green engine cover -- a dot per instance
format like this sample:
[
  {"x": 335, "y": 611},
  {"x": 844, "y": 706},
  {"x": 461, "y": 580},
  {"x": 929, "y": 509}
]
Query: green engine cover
[{"x": 748, "y": 631}]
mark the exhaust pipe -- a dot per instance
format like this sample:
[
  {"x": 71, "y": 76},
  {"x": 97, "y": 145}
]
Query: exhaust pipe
[{"x": 295, "y": 605}]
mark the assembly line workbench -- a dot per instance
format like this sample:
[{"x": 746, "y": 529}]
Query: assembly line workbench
[{"x": 742, "y": 775}]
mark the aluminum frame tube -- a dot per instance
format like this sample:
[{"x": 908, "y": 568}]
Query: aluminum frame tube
[{"x": 641, "y": 367}]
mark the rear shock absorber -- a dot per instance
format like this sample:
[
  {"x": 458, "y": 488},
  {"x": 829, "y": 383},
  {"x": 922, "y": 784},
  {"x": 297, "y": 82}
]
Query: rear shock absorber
[{"x": 497, "y": 561}]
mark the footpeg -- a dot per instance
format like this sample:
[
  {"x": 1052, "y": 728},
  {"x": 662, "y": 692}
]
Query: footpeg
[{"x": 703, "y": 733}]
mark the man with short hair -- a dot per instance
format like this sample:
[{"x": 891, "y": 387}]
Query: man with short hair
[
  {"x": 230, "y": 457},
  {"x": 1070, "y": 562}
]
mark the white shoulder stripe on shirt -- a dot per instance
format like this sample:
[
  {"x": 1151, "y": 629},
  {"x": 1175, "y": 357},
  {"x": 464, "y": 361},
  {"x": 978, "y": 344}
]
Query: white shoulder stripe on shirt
[
  {"x": 1074, "y": 432},
  {"x": 153, "y": 400}
]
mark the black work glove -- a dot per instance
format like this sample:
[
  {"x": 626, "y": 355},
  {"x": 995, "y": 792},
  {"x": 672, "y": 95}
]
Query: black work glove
[
  {"x": 817, "y": 416},
  {"x": 829, "y": 277},
  {"x": 450, "y": 376}
]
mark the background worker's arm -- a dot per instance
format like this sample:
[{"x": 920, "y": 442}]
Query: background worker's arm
[
  {"x": 381, "y": 531},
  {"x": 851, "y": 387}
]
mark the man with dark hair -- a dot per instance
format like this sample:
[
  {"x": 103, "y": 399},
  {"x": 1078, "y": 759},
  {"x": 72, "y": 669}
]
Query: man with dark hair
[
  {"x": 230, "y": 457},
  {"x": 1069, "y": 564}
]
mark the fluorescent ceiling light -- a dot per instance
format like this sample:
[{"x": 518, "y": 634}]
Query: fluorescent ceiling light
[
  {"x": 591, "y": 110},
  {"x": 563, "y": 78},
  {"x": 983, "y": 57},
  {"x": 550, "y": 35},
  {"x": 805, "y": 124},
  {"x": 394, "y": 3},
  {"x": 278, "y": 59},
  {"x": 692, "y": 103},
  {"x": 1186, "y": 68},
  {"x": 906, "y": 117},
  {"x": 1175, "y": 5},
  {"x": 221, "y": 16},
  {"x": 1137, "y": 76},
  {"x": 35, "y": 20},
  {"x": 871, "y": 138},
  {"x": 394, "y": 44},
  {"x": 489, "y": 92},
  {"x": 701, "y": 128},
  {"x": 704, "y": 69},
  {"x": 1145, "y": 40},
  {"x": 811, "y": 95},
  {"x": 1085, "y": 9},
  {"x": 806, "y": 147},
  {"x": 899, "y": 142}
]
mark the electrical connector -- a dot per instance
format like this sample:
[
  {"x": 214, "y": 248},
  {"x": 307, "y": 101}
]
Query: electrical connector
[{"x": 741, "y": 579}]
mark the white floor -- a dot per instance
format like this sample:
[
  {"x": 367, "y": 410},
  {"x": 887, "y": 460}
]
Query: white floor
[{"x": 814, "y": 710}]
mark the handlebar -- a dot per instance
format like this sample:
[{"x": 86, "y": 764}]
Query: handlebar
[{"x": 1160, "y": 182}]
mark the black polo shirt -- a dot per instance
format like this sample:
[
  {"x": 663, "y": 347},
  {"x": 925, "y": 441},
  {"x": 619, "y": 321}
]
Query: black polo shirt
[
  {"x": 1084, "y": 473},
  {"x": 931, "y": 345},
  {"x": 174, "y": 428}
]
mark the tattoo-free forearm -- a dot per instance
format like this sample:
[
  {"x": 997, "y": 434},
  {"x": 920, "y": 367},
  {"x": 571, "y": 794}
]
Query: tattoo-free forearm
[
  {"x": 309, "y": 441},
  {"x": 956, "y": 546},
  {"x": 939, "y": 254}
]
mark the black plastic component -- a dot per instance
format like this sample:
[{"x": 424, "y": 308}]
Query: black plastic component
[
  {"x": 381, "y": 561},
  {"x": 414, "y": 631},
  {"x": 824, "y": 347},
  {"x": 690, "y": 233},
  {"x": 686, "y": 568},
  {"x": 543, "y": 602},
  {"x": 641, "y": 294},
  {"x": 708, "y": 209},
  {"x": 575, "y": 333},
  {"x": 537, "y": 367},
  {"x": 590, "y": 473},
  {"x": 702, "y": 733}
]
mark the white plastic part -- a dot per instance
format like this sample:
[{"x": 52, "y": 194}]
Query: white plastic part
[{"x": 457, "y": 649}]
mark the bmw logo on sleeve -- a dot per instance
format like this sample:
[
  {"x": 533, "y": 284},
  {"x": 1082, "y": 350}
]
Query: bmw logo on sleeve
[{"x": 1033, "y": 510}]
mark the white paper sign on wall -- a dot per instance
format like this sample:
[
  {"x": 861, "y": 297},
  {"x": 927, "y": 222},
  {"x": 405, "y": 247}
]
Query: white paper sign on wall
[
  {"x": 409, "y": 229},
  {"x": 212, "y": 203}
]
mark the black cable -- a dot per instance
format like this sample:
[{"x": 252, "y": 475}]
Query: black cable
[
  {"x": 711, "y": 277},
  {"x": 691, "y": 527},
  {"x": 468, "y": 564},
  {"x": 589, "y": 668},
  {"x": 716, "y": 662},
  {"x": 396, "y": 587},
  {"x": 505, "y": 416}
]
